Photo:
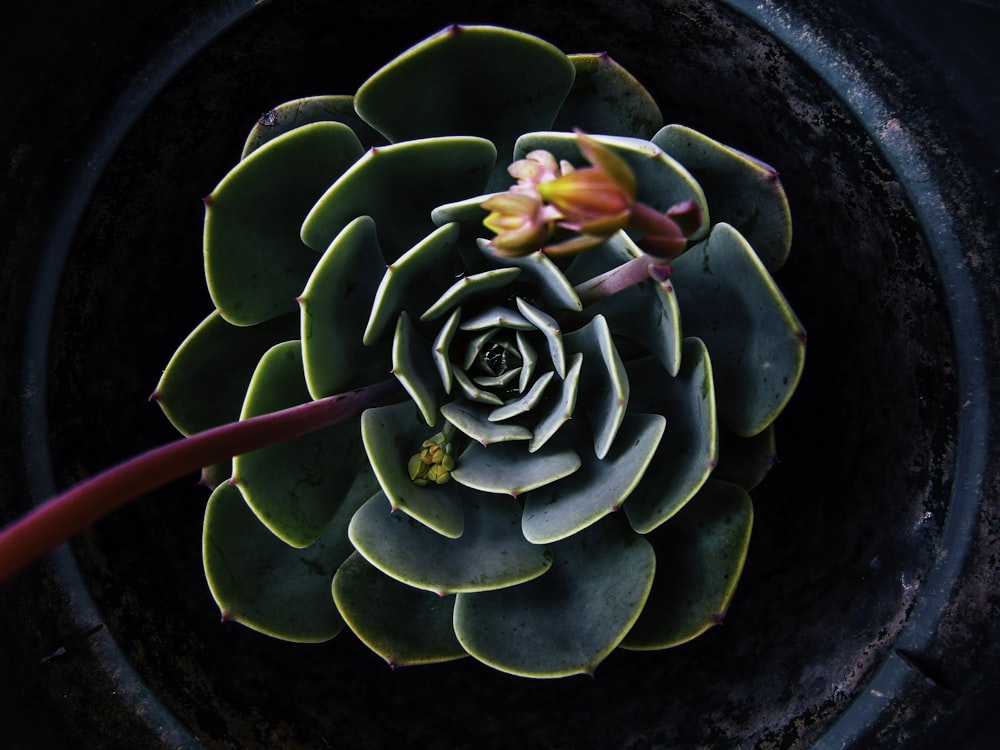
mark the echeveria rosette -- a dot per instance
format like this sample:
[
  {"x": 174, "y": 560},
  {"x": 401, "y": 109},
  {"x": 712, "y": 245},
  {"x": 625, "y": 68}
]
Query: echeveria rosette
[{"x": 578, "y": 499}]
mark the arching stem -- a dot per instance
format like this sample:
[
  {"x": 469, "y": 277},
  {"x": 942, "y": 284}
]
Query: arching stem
[
  {"x": 71, "y": 512},
  {"x": 622, "y": 277}
]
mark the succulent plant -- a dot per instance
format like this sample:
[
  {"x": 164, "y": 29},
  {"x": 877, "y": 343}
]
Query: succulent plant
[{"x": 563, "y": 470}]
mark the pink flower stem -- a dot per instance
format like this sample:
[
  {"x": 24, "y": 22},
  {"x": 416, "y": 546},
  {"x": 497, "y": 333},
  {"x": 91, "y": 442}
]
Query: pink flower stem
[
  {"x": 622, "y": 277},
  {"x": 71, "y": 512}
]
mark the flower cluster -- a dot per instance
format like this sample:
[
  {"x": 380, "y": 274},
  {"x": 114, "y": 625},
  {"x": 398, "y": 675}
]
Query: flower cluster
[{"x": 591, "y": 203}]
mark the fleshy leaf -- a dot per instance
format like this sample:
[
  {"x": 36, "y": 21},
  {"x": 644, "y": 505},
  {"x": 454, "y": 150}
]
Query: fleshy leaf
[
  {"x": 413, "y": 366},
  {"x": 658, "y": 327},
  {"x": 296, "y": 487},
  {"x": 412, "y": 282},
  {"x": 539, "y": 271},
  {"x": 298, "y": 112},
  {"x": 603, "y": 381},
  {"x": 507, "y": 82},
  {"x": 403, "y": 625},
  {"x": 564, "y": 508},
  {"x": 496, "y": 316},
  {"x": 474, "y": 420},
  {"x": 529, "y": 359},
  {"x": 549, "y": 328},
  {"x": 525, "y": 403},
  {"x": 699, "y": 559},
  {"x": 729, "y": 300},
  {"x": 204, "y": 382},
  {"x": 263, "y": 583},
  {"x": 255, "y": 263},
  {"x": 442, "y": 345},
  {"x": 398, "y": 186},
  {"x": 392, "y": 434},
  {"x": 508, "y": 468},
  {"x": 689, "y": 449},
  {"x": 662, "y": 181},
  {"x": 606, "y": 98},
  {"x": 741, "y": 190},
  {"x": 476, "y": 394},
  {"x": 345, "y": 280},
  {"x": 568, "y": 620},
  {"x": 560, "y": 410},
  {"x": 469, "y": 286},
  {"x": 490, "y": 554}
]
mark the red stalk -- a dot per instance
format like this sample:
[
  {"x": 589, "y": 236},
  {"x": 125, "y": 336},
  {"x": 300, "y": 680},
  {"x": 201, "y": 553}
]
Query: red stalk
[{"x": 73, "y": 511}]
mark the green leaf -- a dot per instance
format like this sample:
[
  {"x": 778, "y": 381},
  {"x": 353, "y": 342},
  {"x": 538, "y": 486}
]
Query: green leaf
[
  {"x": 646, "y": 312},
  {"x": 412, "y": 282},
  {"x": 729, "y": 300},
  {"x": 510, "y": 469},
  {"x": 490, "y": 554},
  {"x": 204, "y": 382},
  {"x": 566, "y": 621},
  {"x": 607, "y": 99},
  {"x": 661, "y": 180},
  {"x": 470, "y": 286},
  {"x": 549, "y": 328},
  {"x": 403, "y": 625},
  {"x": 603, "y": 381},
  {"x": 541, "y": 273},
  {"x": 699, "y": 559},
  {"x": 298, "y": 486},
  {"x": 741, "y": 190},
  {"x": 398, "y": 186},
  {"x": 343, "y": 282},
  {"x": 485, "y": 81},
  {"x": 564, "y": 508},
  {"x": 558, "y": 410},
  {"x": 263, "y": 583},
  {"x": 689, "y": 450},
  {"x": 392, "y": 434},
  {"x": 473, "y": 420},
  {"x": 255, "y": 263},
  {"x": 413, "y": 365},
  {"x": 298, "y": 112}
]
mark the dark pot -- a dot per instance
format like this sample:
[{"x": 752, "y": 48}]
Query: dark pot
[{"x": 867, "y": 615}]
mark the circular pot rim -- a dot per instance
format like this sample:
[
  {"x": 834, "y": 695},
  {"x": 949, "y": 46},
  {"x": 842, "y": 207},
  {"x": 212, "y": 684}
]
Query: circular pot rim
[{"x": 902, "y": 151}]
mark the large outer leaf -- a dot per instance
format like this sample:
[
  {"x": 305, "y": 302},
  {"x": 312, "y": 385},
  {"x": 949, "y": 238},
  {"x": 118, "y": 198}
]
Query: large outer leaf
[
  {"x": 699, "y": 558},
  {"x": 490, "y": 554},
  {"x": 401, "y": 624},
  {"x": 741, "y": 190},
  {"x": 344, "y": 281},
  {"x": 729, "y": 300},
  {"x": 298, "y": 112},
  {"x": 255, "y": 262},
  {"x": 608, "y": 99},
  {"x": 204, "y": 382},
  {"x": 689, "y": 449},
  {"x": 298, "y": 486},
  {"x": 398, "y": 186},
  {"x": 568, "y": 620},
  {"x": 263, "y": 583},
  {"x": 490, "y": 82}
]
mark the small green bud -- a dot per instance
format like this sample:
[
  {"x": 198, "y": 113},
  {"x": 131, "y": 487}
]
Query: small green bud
[{"x": 433, "y": 463}]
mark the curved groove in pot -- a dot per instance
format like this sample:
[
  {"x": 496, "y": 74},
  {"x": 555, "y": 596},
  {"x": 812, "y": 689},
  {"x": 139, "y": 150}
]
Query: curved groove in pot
[{"x": 908, "y": 160}]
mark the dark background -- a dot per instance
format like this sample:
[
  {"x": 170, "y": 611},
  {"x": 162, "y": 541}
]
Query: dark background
[{"x": 948, "y": 51}]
